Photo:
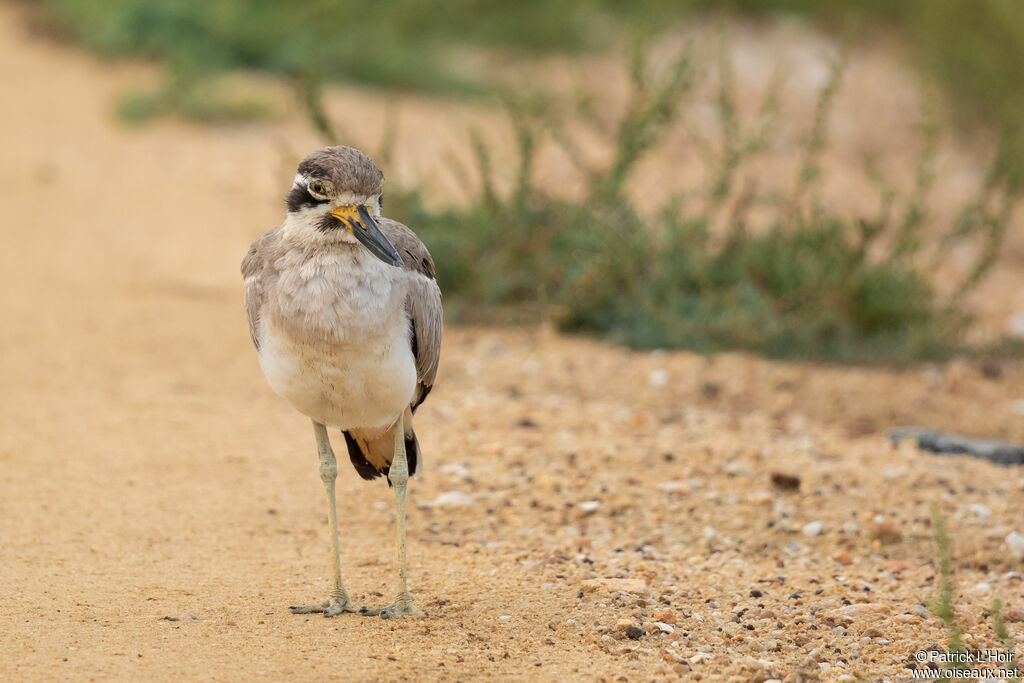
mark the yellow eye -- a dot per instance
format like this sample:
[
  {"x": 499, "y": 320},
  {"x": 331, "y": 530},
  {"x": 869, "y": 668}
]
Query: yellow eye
[{"x": 317, "y": 188}]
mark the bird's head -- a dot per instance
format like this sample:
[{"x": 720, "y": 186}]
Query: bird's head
[{"x": 337, "y": 192}]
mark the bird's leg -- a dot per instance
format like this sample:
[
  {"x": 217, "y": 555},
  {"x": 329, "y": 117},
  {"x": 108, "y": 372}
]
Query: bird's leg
[
  {"x": 398, "y": 475},
  {"x": 338, "y": 601}
]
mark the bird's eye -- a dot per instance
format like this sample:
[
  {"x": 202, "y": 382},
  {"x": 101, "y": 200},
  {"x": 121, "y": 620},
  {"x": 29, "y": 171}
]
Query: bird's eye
[{"x": 317, "y": 188}]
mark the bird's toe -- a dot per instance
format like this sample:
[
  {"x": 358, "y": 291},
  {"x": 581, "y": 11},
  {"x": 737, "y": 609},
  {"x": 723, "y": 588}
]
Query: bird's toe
[
  {"x": 403, "y": 606},
  {"x": 331, "y": 607}
]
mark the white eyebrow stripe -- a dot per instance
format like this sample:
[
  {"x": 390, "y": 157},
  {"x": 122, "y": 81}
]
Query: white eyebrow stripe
[{"x": 299, "y": 180}]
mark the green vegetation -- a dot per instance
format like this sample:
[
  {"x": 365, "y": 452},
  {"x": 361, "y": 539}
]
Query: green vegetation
[
  {"x": 942, "y": 604},
  {"x": 975, "y": 48},
  {"x": 698, "y": 272},
  {"x": 1003, "y": 633},
  {"x": 694, "y": 273}
]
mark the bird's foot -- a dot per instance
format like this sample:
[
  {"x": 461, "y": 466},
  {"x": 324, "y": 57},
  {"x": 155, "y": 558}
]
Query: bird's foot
[
  {"x": 331, "y": 607},
  {"x": 403, "y": 606}
]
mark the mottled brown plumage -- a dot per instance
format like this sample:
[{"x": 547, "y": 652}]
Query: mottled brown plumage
[
  {"x": 346, "y": 316},
  {"x": 346, "y": 167}
]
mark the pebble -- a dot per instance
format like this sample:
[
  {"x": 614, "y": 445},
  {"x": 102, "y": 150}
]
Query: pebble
[
  {"x": 982, "y": 587},
  {"x": 886, "y": 533},
  {"x": 979, "y": 510},
  {"x": 634, "y": 632},
  {"x": 505, "y": 617},
  {"x": 1015, "y": 324},
  {"x": 658, "y": 377},
  {"x": 664, "y": 628},
  {"x": 921, "y": 611},
  {"x": 784, "y": 481},
  {"x": 665, "y": 616},
  {"x": 1014, "y": 615},
  {"x": 739, "y": 468},
  {"x": 613, "y": 585},
  {"x": 681, "y": 485},
  {"x": 842, "y": 557},
  {"x": 452, "y": 499},
  {"x": 589, "y": 505},
  {"x": 813, "y": 529},
  {"x": 457, "y": 471},
  {"x": 1015, "y": 542},
  {"x": 848, "y": 613}
]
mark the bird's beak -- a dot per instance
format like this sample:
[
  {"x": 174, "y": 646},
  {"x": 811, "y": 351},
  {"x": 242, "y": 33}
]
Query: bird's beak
[{"x": 365, "y": 229}]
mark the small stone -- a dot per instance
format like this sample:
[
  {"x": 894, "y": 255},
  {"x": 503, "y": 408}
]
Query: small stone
[
  {"x": 1015, "y": 542},
  {"x": 842, "y": 557},
  {"x": 184, "y": 616},
  {"x": 505, "y": 617},
  {"x": 589, "y": 505},
  {"x": 739, "y": 468},
  {"x": 1014, "y": 615},
  {"x": 872, "y": 633},
  {"x": 982, "y": 587},
  {"x": 452, "y": 499},
  {"x": 634, "y": 632},
  {"x": 813, "y": 529},
  {"x": 785, "y": 482},
  {"x": 848, "y": 613},
  {"x": 699, "y": 657},
  {"x": 664, "y": 628},
  {"x": 666, "y": 616},
  {"x": 623, "y": 624},
  {"x": 658, "y": 377},
  {"x": 612, "y": 585},
  {"x": 921, "y": 611},
  {"x": 979, "y": 510},
  {"x": 1015, "y": 324},
  {"x": 886, "y": 533},
  {"x": 681, "y": 485}
]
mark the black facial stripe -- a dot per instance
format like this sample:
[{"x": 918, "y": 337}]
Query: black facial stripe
[
  {"x": 328, "y": 223},
  {"x": 300, "y": 198}
]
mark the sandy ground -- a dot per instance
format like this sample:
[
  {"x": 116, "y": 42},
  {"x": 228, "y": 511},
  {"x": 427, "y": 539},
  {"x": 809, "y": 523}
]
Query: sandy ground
[{"x": 160, "y": 507}]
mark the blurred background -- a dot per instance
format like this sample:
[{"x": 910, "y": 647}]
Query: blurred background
[{"x": 698, "y": 260}]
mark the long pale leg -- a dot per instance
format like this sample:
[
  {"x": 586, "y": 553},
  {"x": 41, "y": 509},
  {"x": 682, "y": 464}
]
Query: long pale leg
[
  {"x": 338, "y": 601},
  {"x": 399, "y": 477}
]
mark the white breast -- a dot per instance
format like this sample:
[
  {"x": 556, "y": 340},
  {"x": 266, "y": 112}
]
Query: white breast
[{"x": 336, "y": 342}]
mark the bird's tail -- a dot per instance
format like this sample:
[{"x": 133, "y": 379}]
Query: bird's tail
[{"x": 371, "y": 451}]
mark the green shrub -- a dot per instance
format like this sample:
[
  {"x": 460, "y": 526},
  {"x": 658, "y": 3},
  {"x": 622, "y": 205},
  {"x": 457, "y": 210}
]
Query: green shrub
[{"x": 811, "y": 285}]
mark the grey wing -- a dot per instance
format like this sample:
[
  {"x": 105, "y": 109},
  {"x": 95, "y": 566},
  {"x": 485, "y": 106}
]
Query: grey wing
[
  {"x": 259, "y": 273},
  {"x": 423, "y": 304}
]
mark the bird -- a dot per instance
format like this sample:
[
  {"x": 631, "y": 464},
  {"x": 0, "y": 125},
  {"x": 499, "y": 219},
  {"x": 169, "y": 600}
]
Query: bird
[{"x": 345, "y": 313}]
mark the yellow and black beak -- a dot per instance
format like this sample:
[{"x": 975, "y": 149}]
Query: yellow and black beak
[{"x": 365, "y": 229}]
